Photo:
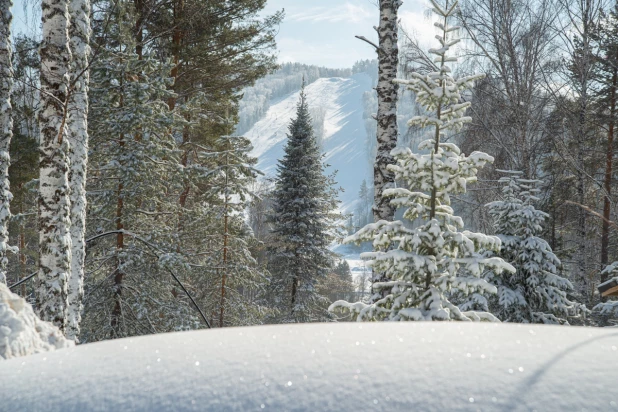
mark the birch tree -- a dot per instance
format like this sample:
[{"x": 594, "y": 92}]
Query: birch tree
[
  {"x": 78, "y": 138},
  {"x": 6, "y": 130},
  {"x": 388, "y": 61},
  {"x": 54, "y": 201}
]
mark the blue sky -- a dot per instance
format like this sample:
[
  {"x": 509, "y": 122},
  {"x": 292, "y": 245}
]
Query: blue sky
[
  {"x": 319, "y": 32},
  {"x": 322, "y": 32}
]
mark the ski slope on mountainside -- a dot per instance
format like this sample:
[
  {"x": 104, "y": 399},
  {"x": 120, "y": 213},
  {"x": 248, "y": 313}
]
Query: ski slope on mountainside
[{"x": 344, "y": 133}]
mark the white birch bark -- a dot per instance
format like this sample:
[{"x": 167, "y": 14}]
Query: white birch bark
[
  {"x": 53, "y": 201},
  {"x": 6, "y": 130},
  {"x": 78, "y": 139},
  {"x": 388, "y": 60}
]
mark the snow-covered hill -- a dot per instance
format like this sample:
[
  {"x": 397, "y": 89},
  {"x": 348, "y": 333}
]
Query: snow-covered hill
[{"x": 344, "y": 140}]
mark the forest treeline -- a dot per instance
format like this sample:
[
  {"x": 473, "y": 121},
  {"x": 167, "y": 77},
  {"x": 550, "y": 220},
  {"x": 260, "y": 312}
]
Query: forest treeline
[{"x": 134, "y": 207}]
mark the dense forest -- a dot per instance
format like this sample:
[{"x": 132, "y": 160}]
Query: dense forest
[{"x": 130, "y": 203}]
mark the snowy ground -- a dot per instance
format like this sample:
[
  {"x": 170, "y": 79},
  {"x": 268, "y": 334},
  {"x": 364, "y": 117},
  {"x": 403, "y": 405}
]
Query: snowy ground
[
  {"x": 327, "y": 367},
  {"x": 345, "y": 136}
]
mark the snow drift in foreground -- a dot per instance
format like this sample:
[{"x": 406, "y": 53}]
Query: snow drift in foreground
[
  {"x": 22, "y": 332},
  {"x": 327, "y": 367}
]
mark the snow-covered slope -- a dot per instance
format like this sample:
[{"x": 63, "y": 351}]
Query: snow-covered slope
[
  {"x": 421, "y": 366},
  {"x": 344, "y": 136}
]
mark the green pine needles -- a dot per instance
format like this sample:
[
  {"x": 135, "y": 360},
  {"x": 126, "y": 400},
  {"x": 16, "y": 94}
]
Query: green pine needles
[{"x": 305, "y": 201}]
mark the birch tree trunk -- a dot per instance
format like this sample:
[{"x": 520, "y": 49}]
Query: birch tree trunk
[
  {"x": 54, "y": 203},
  {"x": 388, "y": 59},
  {"x": 6, "y": 130},
  {"x": 78, "y": 139}
]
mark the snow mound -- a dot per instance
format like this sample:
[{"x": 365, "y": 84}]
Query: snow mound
[
  {"x": 22, "y": 332},
  {"x": 403, "y": 366}
]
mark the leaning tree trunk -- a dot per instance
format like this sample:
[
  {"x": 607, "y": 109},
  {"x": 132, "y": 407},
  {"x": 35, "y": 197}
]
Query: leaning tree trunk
[
  {"x": 388, "y": 60},
  {"x": 54, "y": 203},
  {"x": 78, "y": 139},
  {"x": 6, "y": 130}
]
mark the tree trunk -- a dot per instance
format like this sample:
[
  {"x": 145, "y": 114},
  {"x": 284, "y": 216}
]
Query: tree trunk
[
  {"x": 78, "y": 140},
  {"x": 54, "y": 201},
  {"x": 6, "y": 130},
  {"x": 225, "y": 240},
  {"x": 388, "y": 59},
  {"x": 608, "y": 176},
  {"x": 119, "y": 276}
]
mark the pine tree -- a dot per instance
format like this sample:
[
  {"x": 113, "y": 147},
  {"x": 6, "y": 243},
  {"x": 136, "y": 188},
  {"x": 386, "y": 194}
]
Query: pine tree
[
  {"x": 303, "y": 219},
  {"x": 54, "y": 202},
  {"x": 365, "y": 201},
  {"x": 535, "y": 293},
  {"x": 606, "y": 74},
  {"x": 343, "y": 270},
  {"x": 242, "y": 280},
  {"x": 77, "y": 122},
  {"x": 425, "y": 263},
  {"x": 133, "y": 190},
  {"x": 6, "y": 131},
  {"x": 24, "y": 154}
]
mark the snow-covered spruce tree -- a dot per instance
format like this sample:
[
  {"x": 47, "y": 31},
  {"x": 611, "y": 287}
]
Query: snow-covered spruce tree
[
  {"x": 303, "y": 222},
  {"x": 241, "y": 280},
  {"x": 54, "y": 201},
  {"x": 77, "y": 122},
  {"x": 535, "y": 293},
  {"x": 6, "y": 130},
  {"x": 425, "y": 263}
]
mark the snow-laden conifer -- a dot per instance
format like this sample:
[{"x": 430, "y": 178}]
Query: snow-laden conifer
[
  {"x": 54, "y": 196},
  {"x": 6, "y": 130},
  {"x": 134, "y": 185},
  {"x": 303, "y": 217},
  {"x": 536, "y": 292},
  {"x": 228, "y": 257},
  {"x": 426, "y": 262},
  {"x": 77, "y": 122}
]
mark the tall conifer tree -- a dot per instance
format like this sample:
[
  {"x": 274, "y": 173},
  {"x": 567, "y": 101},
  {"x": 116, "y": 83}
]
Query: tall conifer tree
[{"x": 302, "y": 223}]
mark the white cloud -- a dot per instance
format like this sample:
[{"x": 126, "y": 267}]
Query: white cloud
[{"x": 347, "y": 12}]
